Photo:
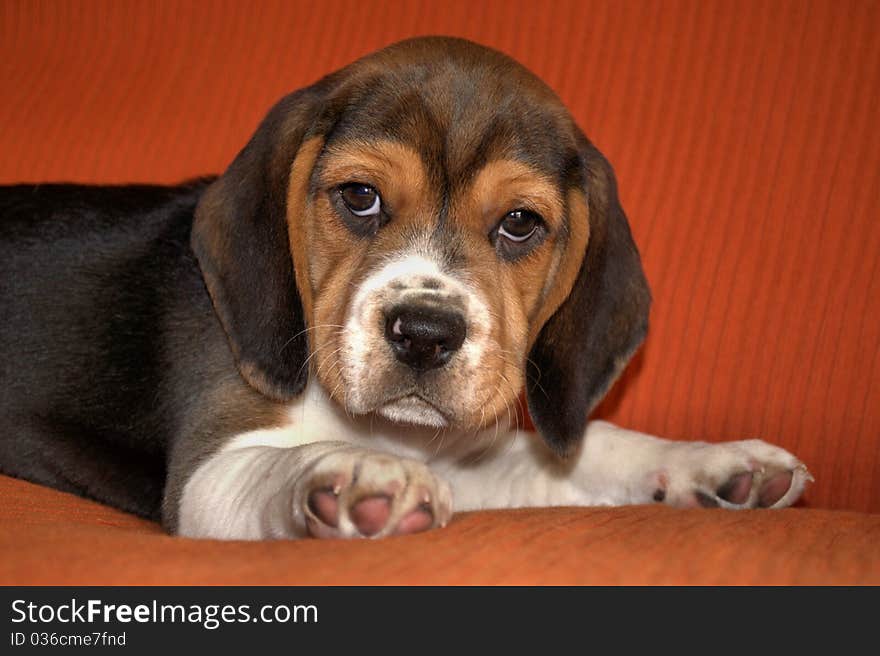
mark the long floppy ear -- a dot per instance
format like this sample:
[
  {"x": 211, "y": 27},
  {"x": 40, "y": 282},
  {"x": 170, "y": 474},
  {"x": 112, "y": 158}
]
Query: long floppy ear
[
  {"x": 586, "y": 343},
  {"x": 240, "y": 239}
]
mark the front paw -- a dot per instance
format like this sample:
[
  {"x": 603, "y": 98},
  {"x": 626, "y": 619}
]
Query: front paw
[
  {"x": 356, "y": 493},
  {"x": 744, "y": 474}
]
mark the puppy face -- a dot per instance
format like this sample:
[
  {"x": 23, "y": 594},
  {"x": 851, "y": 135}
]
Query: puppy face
[
  {"x": 449, "y": 228},
  {"x": 443, "y": 220}
]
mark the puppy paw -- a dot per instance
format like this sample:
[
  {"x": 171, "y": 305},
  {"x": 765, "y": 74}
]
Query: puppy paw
[
  {"x": 359, "y": 493},
  {"x": 744, "y": 474}
]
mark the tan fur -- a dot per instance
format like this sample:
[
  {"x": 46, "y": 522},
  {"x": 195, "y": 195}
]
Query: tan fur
[
  {"x": 527, "y": 292},
  {"x": 499, "y": 187},
  {"x": 558, "y": 287},
  {"x": 298, "y": 205},
  {"x": 336, "y": 258}
]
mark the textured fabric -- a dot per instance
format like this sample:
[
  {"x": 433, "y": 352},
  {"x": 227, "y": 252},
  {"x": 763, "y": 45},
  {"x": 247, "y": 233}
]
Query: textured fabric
[
  {"x": 60, "y": 539},
  {"x": 745, "y": 143}
]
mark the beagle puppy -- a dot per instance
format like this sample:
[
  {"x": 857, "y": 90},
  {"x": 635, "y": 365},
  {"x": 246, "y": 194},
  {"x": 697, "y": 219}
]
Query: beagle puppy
[{"x": 332, "y": 338}]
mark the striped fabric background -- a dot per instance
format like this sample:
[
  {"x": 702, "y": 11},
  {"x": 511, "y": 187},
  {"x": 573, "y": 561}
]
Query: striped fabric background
[{"x": 745, "y": 138}]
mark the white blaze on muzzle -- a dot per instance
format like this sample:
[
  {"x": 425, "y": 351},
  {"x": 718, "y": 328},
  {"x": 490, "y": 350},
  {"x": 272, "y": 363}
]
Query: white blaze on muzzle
[{"x": 370, "y": 358}]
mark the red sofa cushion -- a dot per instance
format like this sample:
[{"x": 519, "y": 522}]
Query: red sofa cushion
[{"x": 53, "y": 538}]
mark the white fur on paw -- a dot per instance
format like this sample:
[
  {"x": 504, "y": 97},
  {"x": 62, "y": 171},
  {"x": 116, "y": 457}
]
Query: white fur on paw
[
  {"x": 357, "y": 493},
  {"x": 744, "y": 474}
]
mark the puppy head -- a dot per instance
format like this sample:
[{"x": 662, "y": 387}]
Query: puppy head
[{"x": 427, "y": 232}]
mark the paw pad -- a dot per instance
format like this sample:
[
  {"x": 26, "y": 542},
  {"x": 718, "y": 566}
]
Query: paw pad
[
  {"x": 774, "y": 489},
  {"x": 324, "y": 505},
  {"x": 746, "y": 474},
  {"x": 371, "y": 513},
  {"x": 355, "y": 494}
]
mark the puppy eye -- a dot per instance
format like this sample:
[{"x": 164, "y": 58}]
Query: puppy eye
[
  {"x": 519, "y": 225},
  {"x": 361, "y": 199}
]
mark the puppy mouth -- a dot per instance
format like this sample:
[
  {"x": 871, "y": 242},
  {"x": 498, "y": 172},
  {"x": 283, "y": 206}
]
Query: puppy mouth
[{"x": 413, "y": 409}]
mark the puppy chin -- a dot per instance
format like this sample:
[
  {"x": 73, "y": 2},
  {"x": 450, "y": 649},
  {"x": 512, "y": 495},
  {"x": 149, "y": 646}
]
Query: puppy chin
[{"x": 413, "y": 410}]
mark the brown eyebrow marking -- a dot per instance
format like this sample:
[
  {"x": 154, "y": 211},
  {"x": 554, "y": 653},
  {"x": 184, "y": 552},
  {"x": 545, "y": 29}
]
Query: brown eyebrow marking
[
  {"x": 383, "y": 162},
  {"x": 506, "y": 184}
]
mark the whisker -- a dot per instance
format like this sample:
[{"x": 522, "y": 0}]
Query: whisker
[
  {"x": 514, "y": 395},
  {"x": 304, "y": 331},
  {"x": 440, "y": 446},
  {"x": 486, "y": 450},
  {"x": 326, "y": 359},
  {"x": 312, "y": 355},
  {"x": 528, "y": 361},
  {"x": 436, "y": 435}
]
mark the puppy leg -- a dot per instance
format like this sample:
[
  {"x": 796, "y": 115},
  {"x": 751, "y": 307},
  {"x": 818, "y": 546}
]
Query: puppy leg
[
  {"x": 620, "y": 467},
  {"x": 742, "y": 474},
  {"x": 323, "y": 489}
]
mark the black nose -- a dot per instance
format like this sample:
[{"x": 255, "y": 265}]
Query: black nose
[{"x": 424, "y": 338}]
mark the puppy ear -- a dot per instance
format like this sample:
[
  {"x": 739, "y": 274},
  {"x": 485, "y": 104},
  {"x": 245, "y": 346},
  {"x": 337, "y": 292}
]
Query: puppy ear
[
  {"x": 586, "y": 343},
  {"x": 240, "y": 239}
]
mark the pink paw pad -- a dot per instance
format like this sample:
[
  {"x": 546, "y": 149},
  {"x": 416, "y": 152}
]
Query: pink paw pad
[
  {"x": 774, "y": 489},
  {"x": 370, "y": 514},
  {"x": 417, "y": 521},
  {"x": 737, "y": 489},
  {"x": 324, "y": 505}
]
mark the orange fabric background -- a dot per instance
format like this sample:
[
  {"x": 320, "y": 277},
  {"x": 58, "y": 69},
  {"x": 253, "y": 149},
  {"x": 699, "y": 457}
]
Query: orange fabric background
[
  {"x": 744, "y": 136},
  {"x": 58, "y": 539}
]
